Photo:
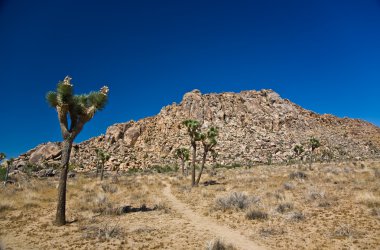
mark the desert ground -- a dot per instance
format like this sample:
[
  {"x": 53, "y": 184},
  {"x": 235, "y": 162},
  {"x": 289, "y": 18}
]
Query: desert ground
[{"x": 331, "y": 206}]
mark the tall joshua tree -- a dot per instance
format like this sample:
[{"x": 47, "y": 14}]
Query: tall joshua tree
[
  {"x": 79, "y": 109},
  {"x": 314, "y": 144},
  {"x": 208, "y": 140},
  {"x": 183, "y": 155},
  {"x": 193, "y": 129},
  {"x": 102, "y": 158}
]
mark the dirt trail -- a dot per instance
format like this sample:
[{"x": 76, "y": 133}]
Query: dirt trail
[{"x": 200, "y": 222}]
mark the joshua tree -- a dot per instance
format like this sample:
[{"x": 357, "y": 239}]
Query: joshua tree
[
  {"x": 2, "y": 157},
  {"x": 9, "y": 165},
  {"x": 193, "y": 129},
  {"x": 314, "y": 144},
  {"x": 79, "y": 109},
  {"x": 298, "y": 150},
  {"x": 102, "y": 158},
  {"x": 208, "y": 140},
  {"x": 183, "y": 155},
  {"x": 214, "y": 156}
]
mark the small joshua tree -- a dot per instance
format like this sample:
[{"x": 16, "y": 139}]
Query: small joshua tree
[
  {"x": 208, "y": 140},
  {"x": 102, "y": 158},
  {"x": 193, "y": 129},
  {"x": 2, "y": 157},
  {"x": 298, "y": 150},
  {"x": 79, "y": 109},
  {"x": 314, "y": 144},
  {"x": 183, "y": 155},
  {"x": 9, "y": 166}
]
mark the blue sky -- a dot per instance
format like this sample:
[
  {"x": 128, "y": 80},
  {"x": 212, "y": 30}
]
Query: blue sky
[{"x": 323, "y": 55}]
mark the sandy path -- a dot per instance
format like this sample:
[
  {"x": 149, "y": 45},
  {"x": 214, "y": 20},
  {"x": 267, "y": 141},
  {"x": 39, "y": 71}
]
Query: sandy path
[{"x": 200, "y": 222}]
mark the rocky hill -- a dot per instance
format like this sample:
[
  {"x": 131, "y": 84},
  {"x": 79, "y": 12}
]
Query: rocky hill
[{"x": 255, "y": 127}]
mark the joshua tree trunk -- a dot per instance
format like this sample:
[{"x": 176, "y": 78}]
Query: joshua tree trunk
[
  {"x": 193, "y": 164},
  {"x": 97, "y": 169},
  {"x": 183, "y": 166},
  {"x": 202, "y": 166},
  {"x": 60, "y": 218},
  {"x": 102, "y": 172}
]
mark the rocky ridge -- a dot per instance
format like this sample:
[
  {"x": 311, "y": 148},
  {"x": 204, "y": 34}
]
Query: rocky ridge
[{"x": 254, "y": 127}]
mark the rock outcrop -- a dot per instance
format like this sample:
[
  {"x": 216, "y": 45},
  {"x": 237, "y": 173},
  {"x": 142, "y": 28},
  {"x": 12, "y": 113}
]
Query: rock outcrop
[{"x": 254, "y": 127}]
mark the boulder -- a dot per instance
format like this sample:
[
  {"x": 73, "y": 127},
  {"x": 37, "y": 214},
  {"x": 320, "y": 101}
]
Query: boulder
[
  {"x": 45, "y": 152},
  {"x": 131, "y": 135}
]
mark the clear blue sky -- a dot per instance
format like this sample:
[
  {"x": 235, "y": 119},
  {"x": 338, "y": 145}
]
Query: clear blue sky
[{"x": 322, "y": 54}]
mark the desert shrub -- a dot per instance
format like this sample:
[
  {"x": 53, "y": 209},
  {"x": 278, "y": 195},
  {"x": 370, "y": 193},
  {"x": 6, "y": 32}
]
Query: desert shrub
[
  {"x": 368, "y": 199},
  {"x": 284, "y": 207},
  {"x": 376, "y": 212},
  {"x": 4, "y": 206},
  {"x": 133, "y": 170},
  {"x": 288, "y": 186},
  {"x": 297, "y": 216},
  {"x": 343, "y": 231},
  {"x": 271, "y": 231},
  {"x": 315, "y": 194},
  {"x": 30, "y": 168},
  {"x": 324, "y": 203},
  {"x": 163, "y": 206},
  {"x": 235, "y": 200},
  {"x": 377, "y": 173},
  {"x": 165, "y": 168},
  {"x": 104, "y": 231},
  {"x": 232, "y": 166},
  {"x": 218, "y": 244},
  {"x": 109, "y": 188},
  {"x": 103, "y": 206},
  {"x": 255, "y": 214},
  {"x": 298, "y": 175}
]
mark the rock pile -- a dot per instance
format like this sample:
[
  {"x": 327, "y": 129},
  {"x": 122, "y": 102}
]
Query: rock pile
[{"x": 254, "y": 127}]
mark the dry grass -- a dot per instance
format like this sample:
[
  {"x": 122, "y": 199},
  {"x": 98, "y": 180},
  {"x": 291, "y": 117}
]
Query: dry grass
[
  {"x": 279, "y": 207},
  {"x": 297, "y": 201}
]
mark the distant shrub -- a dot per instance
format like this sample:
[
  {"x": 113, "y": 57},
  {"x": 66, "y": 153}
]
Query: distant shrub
[
  {"x": 255, "y": 214},
  {"x": 232, "y": 166},
  {"x": 272, "y": 231},
  {"x": 288, "y": 186},
  {"x": 284, "y": 207},
  {"x": 315, "y": 194},
  {"x": 343, "y": 231},
  {"x": 297, "y": 216},
  {"x": 165, "y": 169},
  {"x": 103, "y": 232},
  {"x": 133, "y": 170},
  {"x": 235, "y": 200},
  {"x": 109, "y": 188},
  {"x": 218, "y": 244},
  {"x": 368, "y": 199},
  {"x": 298, "y": 175}
]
